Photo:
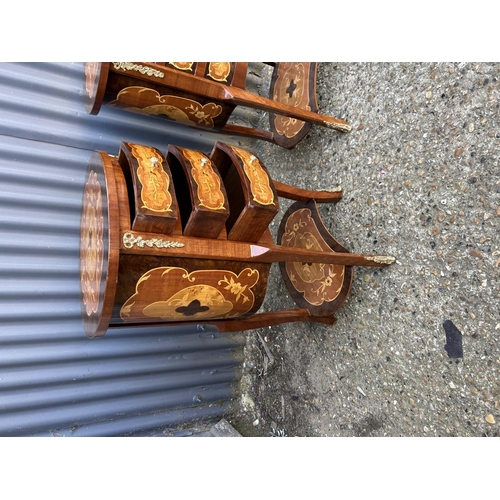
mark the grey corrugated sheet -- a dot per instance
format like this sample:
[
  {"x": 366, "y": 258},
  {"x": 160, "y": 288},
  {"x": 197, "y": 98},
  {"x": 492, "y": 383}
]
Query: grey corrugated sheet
[{"x": 53, "y": 380}]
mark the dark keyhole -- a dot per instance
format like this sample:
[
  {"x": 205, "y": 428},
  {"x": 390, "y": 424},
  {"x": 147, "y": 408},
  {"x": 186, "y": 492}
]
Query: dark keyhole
[
  {"x": 193, "y": 308},
  {"x": 291, "y": 88}
]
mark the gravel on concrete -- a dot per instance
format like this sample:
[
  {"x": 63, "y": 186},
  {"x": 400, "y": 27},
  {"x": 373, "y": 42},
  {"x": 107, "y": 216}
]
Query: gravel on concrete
[{"x": 415, "y": 350}]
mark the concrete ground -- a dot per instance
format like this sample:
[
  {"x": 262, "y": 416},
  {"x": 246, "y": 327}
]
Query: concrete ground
[{"x": 420, "y": 178}]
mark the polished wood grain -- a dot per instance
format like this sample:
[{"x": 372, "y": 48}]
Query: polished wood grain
[
  {"x": 231, "y": 95},
  {"x": 220, "y": 249},
  {"x": 122, "y": 195},
  {"x": 187, "y": 67},
  {"x": 99, "y": 245},
  {"x": 233, "y": 73},
  {"x": 202, "y": 198},
  {"x": 254, "y": 133},
  {"x": 153, "y": 200},
  {"x": 298, "y": 194},
  {"x": 156, "y": 277},
  {"x": 321, "y": 288},
  {"x": 131, "y": 92},
  {"x": 154, "y": 289},
  {"x": 294, "y": 84},
  {"x": 263, "y": 320},
  {"x": 95, "y": 79},
  {"x": 253, "y": 201},
  {"x": 229, "y": 73},
  {"x": 204, "y": 95},
  {"x": 251, "y": 322}
]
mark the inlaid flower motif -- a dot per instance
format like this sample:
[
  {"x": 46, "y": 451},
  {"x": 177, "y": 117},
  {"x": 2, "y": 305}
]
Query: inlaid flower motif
[
  {"x": 208, "y": 183},
  {"x": 291, "y": 88},
  {"x": 219, "y": 70},
  {"x": 179, "y": 109},
  {"x": 92, "y": 249},
  {"x": 174, "y": 294},
  {"x": 235, "y": 288},
  {"x": 318, "y": 282},
  {"x": 154, "y": 180},
  {"x": 323, "y": 289},
  {"x": 259, "y": 180},
  {"x": 200, "y": 115}
]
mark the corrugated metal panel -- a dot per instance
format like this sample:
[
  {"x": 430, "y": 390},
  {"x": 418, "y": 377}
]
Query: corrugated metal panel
[
  {"x": 44, "y": 102},
  {"x": 53, "y": 380}
]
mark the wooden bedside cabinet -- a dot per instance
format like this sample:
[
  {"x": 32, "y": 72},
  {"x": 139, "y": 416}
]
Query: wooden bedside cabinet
[
  {"x": 183, "y": 237},
  {"x": 203, "y": 95}
]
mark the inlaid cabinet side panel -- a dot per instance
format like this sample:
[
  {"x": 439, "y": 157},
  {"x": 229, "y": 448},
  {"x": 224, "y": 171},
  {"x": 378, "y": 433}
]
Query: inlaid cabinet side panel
[
  {"x": 202, "y": 198},
  {"x": 253, "y": 200},
  {"x": 153, "y": 204},
  {"x": 154, "y": 289}
]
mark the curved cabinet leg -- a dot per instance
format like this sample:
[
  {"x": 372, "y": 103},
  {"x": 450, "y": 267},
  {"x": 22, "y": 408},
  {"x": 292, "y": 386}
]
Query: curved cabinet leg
[
  {"x": 262, "y": 320},
  {"x": 305, "y": 195}
]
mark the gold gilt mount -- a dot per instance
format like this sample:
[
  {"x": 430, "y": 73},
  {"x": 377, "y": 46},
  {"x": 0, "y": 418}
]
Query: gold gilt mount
[
  {"x": 184, "y": 237},
  {"x": 144, "y": 70},
  {"x": 129, "y": 241},
  {"x": 183, "y": 296}
]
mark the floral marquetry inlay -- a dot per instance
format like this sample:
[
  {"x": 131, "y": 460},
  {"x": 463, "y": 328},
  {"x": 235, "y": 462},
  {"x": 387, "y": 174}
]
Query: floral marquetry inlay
[
  {"x": 259, "y": 180},
  {"x": 183, "y": 66},
  {"x": 154, "y": 180},
  {"x": 174, "y": 294},
  {"x": 92, "y": 249},
  {"x": 179, "y": 109},
  {"x": 318, "y": 282},
  {"x": 219, "y": 71},
  {"x": 292, "y": 88},
  {"x": 208, "y": 183}
]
